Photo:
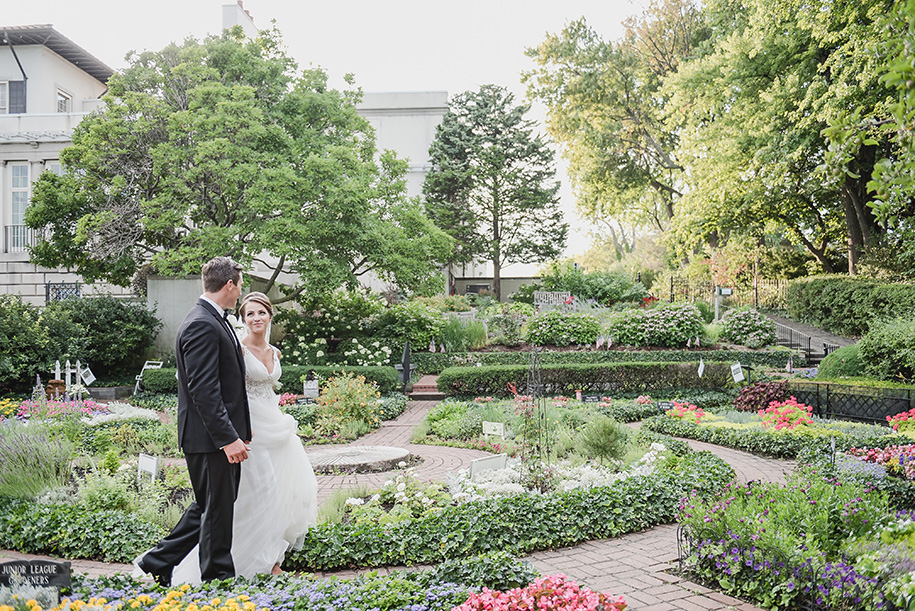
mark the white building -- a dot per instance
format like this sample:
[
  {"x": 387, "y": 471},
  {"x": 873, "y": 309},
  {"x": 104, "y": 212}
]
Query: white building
[{"x": 48, "y": 84}]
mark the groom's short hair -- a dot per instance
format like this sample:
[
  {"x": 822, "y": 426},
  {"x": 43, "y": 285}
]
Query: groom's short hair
[{"x": 217, "y": 271}]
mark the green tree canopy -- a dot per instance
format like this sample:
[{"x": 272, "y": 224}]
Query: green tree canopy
[
  {"x": 492, "y": 184},
  {"x": 221, "y": 147}
]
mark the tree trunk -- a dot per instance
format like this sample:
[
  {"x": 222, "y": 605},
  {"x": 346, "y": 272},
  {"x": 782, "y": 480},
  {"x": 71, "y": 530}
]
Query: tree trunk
[
  {"x": 497, "y": 279},
  {"x": 853, "y": 233}
]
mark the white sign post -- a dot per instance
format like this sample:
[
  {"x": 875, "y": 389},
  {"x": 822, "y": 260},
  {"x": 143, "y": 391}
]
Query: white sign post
[
  {"x": 737, "y": 372},
  {"x": 148, "y": 465},
  {"x": 701, "y": 366},
  {"x": 494, "y": 428},
  {"x": 489, "y": 463}
]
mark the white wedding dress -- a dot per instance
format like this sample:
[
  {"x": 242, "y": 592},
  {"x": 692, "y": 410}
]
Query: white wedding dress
[{"x": 278, "y": 493}]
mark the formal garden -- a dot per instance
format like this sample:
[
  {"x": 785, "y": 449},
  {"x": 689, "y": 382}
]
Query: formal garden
[{"x": 838, "y": 532}]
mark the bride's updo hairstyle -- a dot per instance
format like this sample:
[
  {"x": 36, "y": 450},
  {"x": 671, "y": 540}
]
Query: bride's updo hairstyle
[{"x": 258, "y": 298}]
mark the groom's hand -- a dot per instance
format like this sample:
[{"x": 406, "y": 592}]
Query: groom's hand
[{"x": 237, "y": 451}]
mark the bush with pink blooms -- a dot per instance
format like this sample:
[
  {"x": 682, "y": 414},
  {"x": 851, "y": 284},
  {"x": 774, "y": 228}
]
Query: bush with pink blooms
[
  {"x": 786, "y": 415},
  {"x": 552, "y": 592},
  {"x": 643, "y": 400},
  {"x": 686, "y": 411},
  {"x": 903, "y": 422}
]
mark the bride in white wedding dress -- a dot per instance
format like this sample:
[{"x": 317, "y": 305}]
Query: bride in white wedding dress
[{"x": 277, "y": 497}]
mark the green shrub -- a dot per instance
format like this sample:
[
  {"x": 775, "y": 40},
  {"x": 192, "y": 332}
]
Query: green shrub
[
  {"x": 23, "y": 345},
  {"x": 118, "y": 332},
  {"x": 848, "y": 305},
  {"x": 414, "y": 322},
  {"x": 604, "y": 287},
  {"x": 747, "y": 327},
  {"x": 604, "y": 438},
  {"x": 565, "y": 379},
  {"x": 69, "y": 531},
  {"x": 346, "y": 398},
  {"x": 888, "y": 351},
  {"x": 497, "y": 570},
  {"x": 845, "y": 362},
  {"x": 340, "y": 314},
  {"x": 556, "y": 328},
  {"x": 506, "y": 524},
  {"x": 670, "y": 324},
  {"x": 103, "y": 491}
]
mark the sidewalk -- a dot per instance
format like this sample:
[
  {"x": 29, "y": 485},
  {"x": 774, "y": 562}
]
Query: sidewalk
[{"x": 633, "y": 565}]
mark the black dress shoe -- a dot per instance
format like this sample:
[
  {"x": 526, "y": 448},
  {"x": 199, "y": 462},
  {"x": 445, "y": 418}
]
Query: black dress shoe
[{"x": 163, "y": 578}]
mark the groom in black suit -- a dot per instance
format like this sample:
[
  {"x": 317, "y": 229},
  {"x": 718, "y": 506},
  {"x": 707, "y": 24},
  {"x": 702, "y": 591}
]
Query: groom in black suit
[{"x": 214, "y": 427}]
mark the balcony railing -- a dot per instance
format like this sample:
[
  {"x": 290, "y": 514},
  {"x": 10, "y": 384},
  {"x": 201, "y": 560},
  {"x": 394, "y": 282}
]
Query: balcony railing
[{"x": 17, "y": 238}]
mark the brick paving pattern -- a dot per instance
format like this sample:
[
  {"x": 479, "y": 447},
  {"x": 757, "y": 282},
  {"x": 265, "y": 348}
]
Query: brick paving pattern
[{"x": 634, "y": 565}]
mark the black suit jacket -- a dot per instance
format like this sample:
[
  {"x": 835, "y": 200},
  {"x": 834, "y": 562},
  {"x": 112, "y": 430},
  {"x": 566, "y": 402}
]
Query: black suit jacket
[{"x": 212, "y": 403}]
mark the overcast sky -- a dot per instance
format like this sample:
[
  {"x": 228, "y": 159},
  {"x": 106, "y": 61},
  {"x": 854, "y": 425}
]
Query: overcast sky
[{"x": 390, "y": 45}]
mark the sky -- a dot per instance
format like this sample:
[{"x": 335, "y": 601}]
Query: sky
[{"x": 389, "y": 45}]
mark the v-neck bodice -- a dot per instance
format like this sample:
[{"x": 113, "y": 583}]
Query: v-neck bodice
[{"x": 258, "y": 379}]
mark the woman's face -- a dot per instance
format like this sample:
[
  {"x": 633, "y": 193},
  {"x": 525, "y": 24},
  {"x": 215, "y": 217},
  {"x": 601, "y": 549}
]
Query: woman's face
[{"x": 256, "y": 317}]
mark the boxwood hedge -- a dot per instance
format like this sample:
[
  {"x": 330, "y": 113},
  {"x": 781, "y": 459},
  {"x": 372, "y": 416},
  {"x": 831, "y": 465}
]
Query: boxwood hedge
[
  {"x": 605, "y": 377},
  {"x": 436, "y": 362},
  {"x": 164, "y": 380}
]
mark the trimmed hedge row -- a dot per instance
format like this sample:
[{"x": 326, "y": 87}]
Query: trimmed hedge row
[
  {"x": 563, "y": 379},
  {"x": 164, "y": 380},
  {"x": 780, "y": 444},
  {"x": 519, "y": 524},
  {"x": 848, "y": 305},
  {"x": 436, "y": 362}
]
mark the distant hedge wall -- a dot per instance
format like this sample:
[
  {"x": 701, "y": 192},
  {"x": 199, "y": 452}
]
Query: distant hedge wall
[
  {"x": 606, "y": 377},
  {"x": 436, "y": 362},
  {"x": 164, "y": 380},
  {"x": 848, "y": 305}
]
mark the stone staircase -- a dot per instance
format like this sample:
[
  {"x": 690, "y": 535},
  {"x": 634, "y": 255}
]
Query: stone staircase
[{"x": 425, "y": 389}]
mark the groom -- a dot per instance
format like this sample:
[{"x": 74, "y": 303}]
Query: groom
[{"x": 213, "y": 429}]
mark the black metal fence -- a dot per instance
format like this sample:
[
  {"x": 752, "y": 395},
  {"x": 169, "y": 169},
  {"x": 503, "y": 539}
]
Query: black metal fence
[
  {"x": 755, "y": 292},
  {"x": 786, "y": 336},
  {"x": 859, "y": 403}
]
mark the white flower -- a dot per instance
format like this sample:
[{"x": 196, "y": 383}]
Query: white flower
[
  {"x": 401, "y": 487},
  {"x": 353, "y": 501},
  {"x": 375, "y": 497},
  {"x": 319, "y": 353},
  {"x": 388, "y": 483},
  {"x": 402, "y": 464},
  {"x": 658, "y": 447}
]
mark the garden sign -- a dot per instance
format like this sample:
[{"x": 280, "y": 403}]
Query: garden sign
[{"x": 39, "y": 573}]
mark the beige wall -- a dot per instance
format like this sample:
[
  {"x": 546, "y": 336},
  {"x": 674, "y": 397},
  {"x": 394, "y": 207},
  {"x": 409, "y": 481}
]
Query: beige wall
[{"x": 509, "y": 285}]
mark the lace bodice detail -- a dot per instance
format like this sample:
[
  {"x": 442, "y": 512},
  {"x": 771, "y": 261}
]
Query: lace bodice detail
[{"x": 258, "y": 381}]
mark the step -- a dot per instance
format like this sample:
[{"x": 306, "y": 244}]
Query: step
[
  {"x": 425, "y": 388},
  {"x": 426, "y": 396}
]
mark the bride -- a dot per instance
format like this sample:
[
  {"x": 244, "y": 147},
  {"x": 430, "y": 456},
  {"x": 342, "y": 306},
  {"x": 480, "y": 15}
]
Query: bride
[{"x": 277, "y": 496}]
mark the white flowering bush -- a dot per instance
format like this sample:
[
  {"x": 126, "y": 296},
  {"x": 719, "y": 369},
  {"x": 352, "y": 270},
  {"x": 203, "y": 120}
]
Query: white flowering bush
[
  {"x": 298, "y": 351},
  {"x": 364, "y": 353},
  {"x": 671, "y": 324},
  {"x": 747, "y": 327}
]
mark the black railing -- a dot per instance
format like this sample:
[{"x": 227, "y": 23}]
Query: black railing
[
  {"x": 846, "y": 402},
  {"x": 827, "y": 348},
  {"x": 786, "y": 336},
  {"x": 18, "y": 238}
]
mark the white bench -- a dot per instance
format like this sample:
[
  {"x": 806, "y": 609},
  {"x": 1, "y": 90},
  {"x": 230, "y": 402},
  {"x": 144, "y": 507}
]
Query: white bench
[{"x": 146, "y": 365}]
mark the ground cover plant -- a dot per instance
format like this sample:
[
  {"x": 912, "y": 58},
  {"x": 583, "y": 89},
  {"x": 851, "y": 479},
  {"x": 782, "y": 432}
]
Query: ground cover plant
[
  {"x": 747, "y": 327},
  {"x": 823, "y": 539},
  {"x": 779, "y": 432}
]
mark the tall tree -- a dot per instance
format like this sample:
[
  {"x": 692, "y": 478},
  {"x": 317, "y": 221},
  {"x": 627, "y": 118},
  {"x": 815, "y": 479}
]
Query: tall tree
[
  {"x": 492, "y": 184},
  {"x": 605, "y": 107},
  {"x": 752, "y": 108},
  {"x": 222, "y": 147}
]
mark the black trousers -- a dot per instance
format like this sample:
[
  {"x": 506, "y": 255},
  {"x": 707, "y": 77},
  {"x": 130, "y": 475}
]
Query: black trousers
[{"x": 207, "y": 522}]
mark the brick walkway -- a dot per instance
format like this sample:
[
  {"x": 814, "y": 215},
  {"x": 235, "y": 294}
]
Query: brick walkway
[{"x": 633, "y": 565}]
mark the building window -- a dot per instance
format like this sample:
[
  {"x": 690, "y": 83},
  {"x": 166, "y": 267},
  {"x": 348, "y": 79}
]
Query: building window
[
  {"x": 64, "y": 103},
  {"x": 19, "y": 184},
  {"x": 4, "y": 98},
  {"x": 53, "y": 166}
]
